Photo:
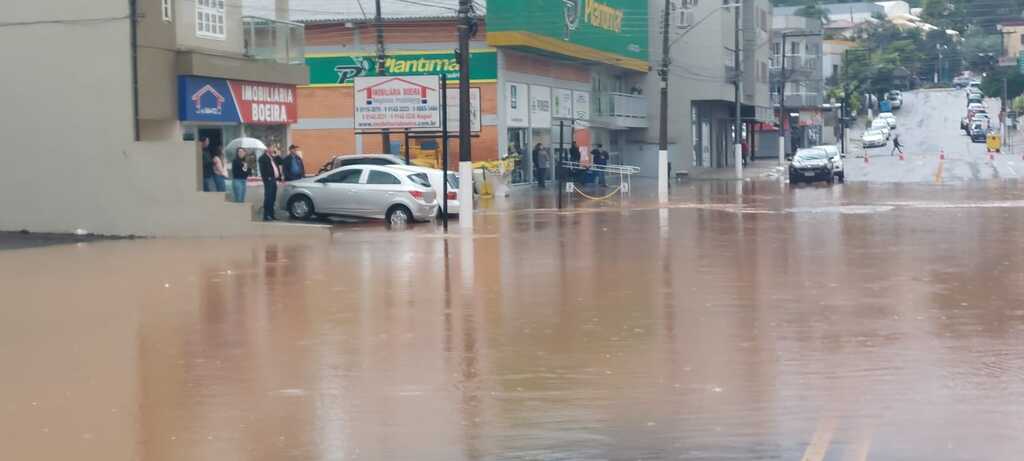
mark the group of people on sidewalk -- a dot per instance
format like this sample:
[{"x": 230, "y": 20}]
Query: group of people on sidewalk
[
  {"x": 271, "y": 165},
  {"x": 598, "y": 156}
]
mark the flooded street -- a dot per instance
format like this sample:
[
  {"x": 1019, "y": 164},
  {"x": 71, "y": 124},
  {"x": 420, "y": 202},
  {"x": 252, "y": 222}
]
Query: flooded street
[{"x": 861, "y": 321}]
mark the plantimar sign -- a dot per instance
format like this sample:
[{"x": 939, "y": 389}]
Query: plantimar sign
[
  {"x": 607, "y": 31},
  {"x": 342, "y": 69}
]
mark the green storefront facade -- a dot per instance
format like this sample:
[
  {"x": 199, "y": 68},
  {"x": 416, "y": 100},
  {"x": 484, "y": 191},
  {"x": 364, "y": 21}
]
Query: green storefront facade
[{"x": 607, "y": 31}]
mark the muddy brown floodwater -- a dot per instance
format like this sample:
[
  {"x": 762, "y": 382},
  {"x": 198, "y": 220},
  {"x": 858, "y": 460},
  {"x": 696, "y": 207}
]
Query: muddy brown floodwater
[{"x": 846, "y": 323}]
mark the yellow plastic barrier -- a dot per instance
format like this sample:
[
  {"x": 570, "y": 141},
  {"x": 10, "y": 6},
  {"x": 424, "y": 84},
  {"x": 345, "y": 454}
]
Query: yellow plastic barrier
[{"x": 993, "y": 142}]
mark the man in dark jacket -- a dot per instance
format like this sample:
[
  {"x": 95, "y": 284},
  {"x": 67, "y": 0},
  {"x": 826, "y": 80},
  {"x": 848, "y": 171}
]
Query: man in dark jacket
[
  {"x": 207, "y": 160},
  {"x": 270, "y": 174},
  {"x": 293, "y": 166},
  {"x": 574, "y": 156},
  {"x": 601, "y": 159}
]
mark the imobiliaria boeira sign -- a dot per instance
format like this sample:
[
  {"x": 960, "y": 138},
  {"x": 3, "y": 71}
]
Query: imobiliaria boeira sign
[{"x": 202, "y": 99}]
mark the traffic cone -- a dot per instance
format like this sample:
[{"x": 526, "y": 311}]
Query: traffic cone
[{"x": 902, "y": 158}]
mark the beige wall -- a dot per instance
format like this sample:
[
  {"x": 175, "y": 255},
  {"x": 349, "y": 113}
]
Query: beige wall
[
  {"x": 1012, "y": 37},
  {"x": 71, "y": 147}
]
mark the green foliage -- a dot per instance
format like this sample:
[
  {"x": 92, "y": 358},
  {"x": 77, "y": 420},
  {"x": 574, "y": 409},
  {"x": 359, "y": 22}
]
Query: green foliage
[
  {"x": 812, "y": 9},
  {"x": 992, "y": 84}
]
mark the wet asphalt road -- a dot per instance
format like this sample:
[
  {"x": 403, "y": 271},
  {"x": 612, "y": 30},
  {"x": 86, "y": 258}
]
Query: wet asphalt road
[
  {"x": 929, "y": 124},
  {"x": 744, "y": 321}
]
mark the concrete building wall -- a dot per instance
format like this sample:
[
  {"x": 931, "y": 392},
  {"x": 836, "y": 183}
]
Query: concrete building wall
[
  {"x": 700, "y": 75},
  {"x": 1013, "y": 40},
  {"x": 185, "y": 23},
  {"x": 77, "y": 165}
]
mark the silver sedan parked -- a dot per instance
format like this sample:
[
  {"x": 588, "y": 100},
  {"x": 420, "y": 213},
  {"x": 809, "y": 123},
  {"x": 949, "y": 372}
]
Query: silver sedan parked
[{"x": 398, "y": 194}]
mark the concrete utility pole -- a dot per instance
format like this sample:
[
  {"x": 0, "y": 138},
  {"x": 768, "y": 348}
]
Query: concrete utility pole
[
  {"x": 663, "y": 120},
  {"x": 783, "y": 117},
  {"x": 1003, "y": 112},
  {"x": 465, "y": 126},
  {"x": 739, "y": 106},
  {"x": 381, "y": 70}
]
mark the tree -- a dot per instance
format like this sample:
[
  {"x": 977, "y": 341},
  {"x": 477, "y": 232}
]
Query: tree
[
  {"x": 992, "y": 84},
  {"x": 812, "y": 9}
]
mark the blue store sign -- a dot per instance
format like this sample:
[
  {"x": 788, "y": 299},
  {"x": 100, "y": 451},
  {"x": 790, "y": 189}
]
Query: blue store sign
[{"x": 202, "y": 99}]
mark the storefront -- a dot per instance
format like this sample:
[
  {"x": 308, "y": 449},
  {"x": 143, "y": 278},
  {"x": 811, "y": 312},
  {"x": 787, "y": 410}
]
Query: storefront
[{"x": 222, "y": 110}]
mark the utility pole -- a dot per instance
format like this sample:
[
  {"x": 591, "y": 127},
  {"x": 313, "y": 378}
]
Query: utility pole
[
  {"x": 465, "y": 128},
  {"x": 663, "y": 121},
  {"x": 381, "y": 69},
  {"x": 1002, "y": 112},
  {"x": 739, "y": 106},
  {"x": 783, "y": 117}
]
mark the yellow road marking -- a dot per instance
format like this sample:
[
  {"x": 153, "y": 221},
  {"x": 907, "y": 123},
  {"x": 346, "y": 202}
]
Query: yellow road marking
[
  {"x": 938, "y": 172},
  {"x": 821, "y": 440}
]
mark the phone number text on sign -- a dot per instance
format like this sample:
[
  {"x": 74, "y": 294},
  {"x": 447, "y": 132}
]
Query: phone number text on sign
[{"x": 397, "y": 102}]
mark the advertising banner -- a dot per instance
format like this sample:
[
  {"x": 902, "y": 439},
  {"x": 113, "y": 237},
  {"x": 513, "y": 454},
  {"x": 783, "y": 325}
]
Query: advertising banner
[
  {"x": 453, "y": 109},
  {"x": 517, "y": 106},
  {"x": 342, "y": 69},
  {"x": 610, "y": 31},
  {"x": 540, "y": 106},
  {"x": 397, "y": 102},
  {"x": 581, "y": 105},
  {"x": 561, "y": 103},
  {"x": 202, "y": 99}
]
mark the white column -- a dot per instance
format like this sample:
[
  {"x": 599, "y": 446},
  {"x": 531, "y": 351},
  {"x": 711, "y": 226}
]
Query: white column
[
  {"x": 466, "y": 195},
  {"x": 662, "y": 176},
  {"x": 739, "y": 160},
  {"x": 782, "y": 149}
]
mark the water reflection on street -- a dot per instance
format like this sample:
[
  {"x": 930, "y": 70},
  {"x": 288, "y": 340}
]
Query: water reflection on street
[{"x": 854, "y": 322}]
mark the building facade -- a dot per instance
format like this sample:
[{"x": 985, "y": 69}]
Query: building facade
[
  {"x": 1013, "y": 41},
  {"x": 117, "y": 155},
  {"x": 701, "y": 81},
  {"x": 799, "y": 41},
  {"x": 571, "y": 76}
]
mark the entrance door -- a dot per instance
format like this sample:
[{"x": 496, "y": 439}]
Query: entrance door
[{"x": 215, "y": 135}]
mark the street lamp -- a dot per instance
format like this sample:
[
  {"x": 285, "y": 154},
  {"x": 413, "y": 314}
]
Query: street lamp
[{"x": 782, "y": 93}]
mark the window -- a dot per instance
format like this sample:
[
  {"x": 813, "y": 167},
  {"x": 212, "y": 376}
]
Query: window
[
  {"x": 764, "y": 20},
  {"x": 420, "y": 179},
  {"x": 794, "y": 48},
  {"x": 345, "y": 177},
  {"x": 165, "y": 10},
  {"x": 380, "y": 177},
  {"x": 777, "y": 48},
  {"x": 210, "y": 19},
  {"x": 1022, "y": 39}
]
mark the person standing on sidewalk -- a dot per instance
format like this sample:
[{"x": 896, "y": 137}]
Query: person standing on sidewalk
[
  {"x": 601, "y": 157},
  {"x": 239, "y": 174},
  {"x": 220, "y": 171},
  {"x": 293, "y": 167},
  {"x": 270, "y": 174},
  {"x": 207, "y": 166},
  {"x": 896, "y": 146},
  {"x": 540, "y": 162}
]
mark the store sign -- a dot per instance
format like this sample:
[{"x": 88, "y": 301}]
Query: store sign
[
  {"x": 612, "y": 31},
  {"x": 453, "y": 110},
  {"x": 561, "y": 103},
  {"x": 202, "y": 99},
  {"x": 581, "y": 105},
  {"x": 342, "y": 69},
  {"x": 517, "y": 105},
  {"x": 540, "y": 106},
  {"x": 397, "y": 102}
]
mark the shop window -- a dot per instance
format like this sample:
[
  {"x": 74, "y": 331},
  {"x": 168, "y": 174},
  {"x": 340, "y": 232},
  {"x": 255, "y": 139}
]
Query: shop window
[
  {"x": 165, "y": 10},
  {"x": 210, "y": 19}
]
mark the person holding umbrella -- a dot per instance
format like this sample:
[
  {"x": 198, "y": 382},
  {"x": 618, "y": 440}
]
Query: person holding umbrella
[{"x": 239, "y": 173}]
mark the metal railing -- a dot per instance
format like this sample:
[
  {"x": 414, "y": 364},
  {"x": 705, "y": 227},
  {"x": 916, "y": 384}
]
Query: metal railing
[{"x": 274, "y": 40}]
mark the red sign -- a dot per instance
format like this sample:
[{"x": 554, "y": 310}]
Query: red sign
[{"x": 265, "y": 103}]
